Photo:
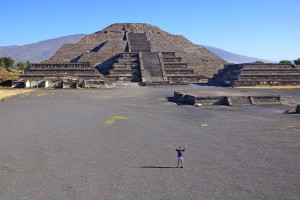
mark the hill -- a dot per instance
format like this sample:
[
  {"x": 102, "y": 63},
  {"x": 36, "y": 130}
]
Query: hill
[
  {"x": 234, "y": 58},
  {"x": 38, "y": 51}
]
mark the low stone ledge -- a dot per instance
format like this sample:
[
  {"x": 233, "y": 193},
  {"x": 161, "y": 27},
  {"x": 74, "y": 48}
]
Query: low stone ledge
[
  {"x": 93, "y": 83},
  {"x": 225, "y": 98},
  {"x": 164, "y": 83}
]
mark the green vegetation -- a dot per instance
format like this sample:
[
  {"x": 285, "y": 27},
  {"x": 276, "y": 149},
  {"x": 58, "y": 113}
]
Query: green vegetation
[
  {"x": 21, "y": 66},
  {"x": 261, "y": 62},
  {"x": 7, "y": 63},
  {"x": 297, "y": 62},
  {"x": 286, "y": 62},
  {"x": 28, "y": 65}
]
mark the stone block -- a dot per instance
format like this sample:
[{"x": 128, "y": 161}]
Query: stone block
[{"x": 93, "y": 83}]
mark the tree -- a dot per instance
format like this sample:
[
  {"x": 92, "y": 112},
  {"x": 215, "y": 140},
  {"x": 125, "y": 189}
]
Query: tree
[
  {"x": 2, "y": 64},
  {"x": 261, "y": 62},
  {"x": 28, "y": 64},
  {"x": 21, "y": 66},
  {"x": 286, "y": 62},
  {"x": 8, "y": 63},
  {"x": 297, "y": 62}
]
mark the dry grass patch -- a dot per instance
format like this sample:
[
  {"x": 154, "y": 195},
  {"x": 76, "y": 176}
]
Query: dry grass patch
[
  {"x": 5, "y": 75},
  {"x": 5, "y": 93}
]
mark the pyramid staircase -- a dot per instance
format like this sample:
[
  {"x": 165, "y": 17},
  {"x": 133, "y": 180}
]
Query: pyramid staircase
[
  {"x": 126, "y": 68},
  {"x": 137, "y": 42},
  {"x": 251, "y": 74},
  {"x": 151, "y": 68},
  {"x": 140, "y": 64}
]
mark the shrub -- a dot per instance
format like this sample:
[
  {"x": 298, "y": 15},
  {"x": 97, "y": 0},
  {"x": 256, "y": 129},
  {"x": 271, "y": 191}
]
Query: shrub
[
  {"x": 21, "y": 66},
  {"x": 286, "y": 62},
  {"x": 7, "y": 63},
  {"x": 297, "y": 62},
  {"x": 28, "y": 65}
]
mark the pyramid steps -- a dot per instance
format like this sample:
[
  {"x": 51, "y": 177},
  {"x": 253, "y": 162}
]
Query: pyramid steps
[
  {"x": 59, "y": 71},
  {"x": 140, "y": 46},
  {"x": 124, "y": 65},
  {"x": 152, "y": 67},
  {"x": 137, "y": 36},
  {"x": 126, "y": 68},
  {"x": 127, "y": 60},
  {"x": 250, "y": 74},
  {"x": 176, "y": 65},
  {"x": 267, "y": 82},
  {"x": 267, "y": 76},
  {"x": 266, "y": 71},
  {"x": 171, "y": 59},
  {"x": 179, "y": 71},
  {"x": 175, "y": 70},
  {"x": 266, "y": 66},
  {"x": 152, "y": 70},
  {"x": 138, "y": 42}
]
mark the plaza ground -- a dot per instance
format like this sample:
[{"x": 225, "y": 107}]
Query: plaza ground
[
  {"x": 117, "y": 143},
  {"x": 6, "y": 93}
]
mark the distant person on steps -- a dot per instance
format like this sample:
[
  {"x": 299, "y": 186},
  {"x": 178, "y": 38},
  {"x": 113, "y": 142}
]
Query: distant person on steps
[{"x": 180, "y": 155}]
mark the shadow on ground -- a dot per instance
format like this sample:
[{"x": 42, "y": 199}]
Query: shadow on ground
[{"x": 157, "y": 167}]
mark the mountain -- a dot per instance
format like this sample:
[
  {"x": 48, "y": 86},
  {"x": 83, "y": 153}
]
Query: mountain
[
  {"x": 43, "y": 50},
  {"x": 38, "y": 51},
  {"x": 234, "y": 58}
]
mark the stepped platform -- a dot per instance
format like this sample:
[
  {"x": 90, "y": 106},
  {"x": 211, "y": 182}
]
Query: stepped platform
[
  {"x": 268, "y": 83},
  {"x": 252, "y": 74},
  {"x": 126, "y": 68},
  {"x": 175, "y": 70},
  {"x": 125, "y": 65},
  {"x": 267, "y": 71},
  {"x": 58, "y": 75},
  {"x": 183, "y": 78},
  {"x": 139, "y": 46},
  {"x": 234, "y": 98}
]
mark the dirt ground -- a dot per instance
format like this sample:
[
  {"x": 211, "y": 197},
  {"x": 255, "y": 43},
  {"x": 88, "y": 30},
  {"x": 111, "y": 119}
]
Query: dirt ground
[
  {"x": 118, "y": 144},
  {"x": 5, "y": 93}
]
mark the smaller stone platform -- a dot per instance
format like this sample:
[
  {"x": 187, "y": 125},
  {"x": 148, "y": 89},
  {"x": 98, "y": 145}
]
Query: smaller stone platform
[
  {"x": 234, "y": 98},
  {"x": 252, "y": 74}
]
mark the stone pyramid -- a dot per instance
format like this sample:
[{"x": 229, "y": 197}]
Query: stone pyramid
[
  {"x": 128, "y": 52},
  {"x": 101, "y": 46}
]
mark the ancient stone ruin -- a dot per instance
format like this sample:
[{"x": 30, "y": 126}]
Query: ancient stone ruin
[
  {"x": 63, "y": 75},
  {"x": 133, "y": 52},
  {"x": 145, "y": 54},
  {"x": 232, "y": 98},
  {"x": 251, "y": 74}
]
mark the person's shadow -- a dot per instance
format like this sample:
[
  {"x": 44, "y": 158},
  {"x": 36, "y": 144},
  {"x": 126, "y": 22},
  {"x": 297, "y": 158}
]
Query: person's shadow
[{"x": 157, "y": 167}]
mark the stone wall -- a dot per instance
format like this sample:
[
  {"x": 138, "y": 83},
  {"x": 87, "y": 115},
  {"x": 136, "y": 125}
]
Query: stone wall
[{"x": 229, "y": 100}]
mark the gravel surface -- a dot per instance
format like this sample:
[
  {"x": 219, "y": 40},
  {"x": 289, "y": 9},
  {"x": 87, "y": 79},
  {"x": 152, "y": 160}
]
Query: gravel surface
[{"x": 118, "y": 144}]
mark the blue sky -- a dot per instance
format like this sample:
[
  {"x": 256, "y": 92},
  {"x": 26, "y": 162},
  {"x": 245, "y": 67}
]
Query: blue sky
[{"x": 259, "y": 28}]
